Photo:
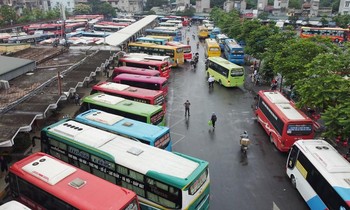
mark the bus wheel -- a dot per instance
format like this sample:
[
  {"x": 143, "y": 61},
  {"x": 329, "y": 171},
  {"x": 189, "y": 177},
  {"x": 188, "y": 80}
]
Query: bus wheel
[
  {"x": 271, "y": 139},
  {"x": 293, "y": 181}
]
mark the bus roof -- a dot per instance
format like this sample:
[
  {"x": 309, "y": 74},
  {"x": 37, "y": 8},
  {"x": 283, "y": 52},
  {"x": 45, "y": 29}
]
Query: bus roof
[
  {"x": 232, "y": 43},
  {"x": 135, "y": 70},
  {"x": 211, "y": 42},
  {"x": 179, "y": 44},
  {"x": 161, "y": 37},
  {"x": 132, "y": 154},
  {"x": 116, "y": 122},
  {"x": 69, "y": 183},
  {"x": 284, "y": 105},
  {"x": 106, "y": 100},
  {"x": 13, "y": 205},
  {"x": 141, "y": 78},
  {"x": 142, "y": 60},
  {"x": 149, "y": 39},
  {"x": 131, "y": 91},
  {"x": 225, "y": 63},
  {"x": 221, "y": 36},
  {"x": 153, "y": 45}
]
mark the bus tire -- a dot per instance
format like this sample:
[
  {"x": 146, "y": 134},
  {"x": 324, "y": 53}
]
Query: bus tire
[
  {"x": 293, "y": 181},
  {"x": 271, "y": 139}
]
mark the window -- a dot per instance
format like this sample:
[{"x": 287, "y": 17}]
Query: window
[{"x": 347, "y": 3}]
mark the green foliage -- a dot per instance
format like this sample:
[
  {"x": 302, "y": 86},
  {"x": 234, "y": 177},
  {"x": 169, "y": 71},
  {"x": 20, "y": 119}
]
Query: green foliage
[
  {"x": 82, "y": 9},
  {"x": 155, "y": 3},
  {"x": 296, "y": 4},
  {"x": 263, "y": 16},
  {"x": 342, "y": 20},
  {"x": 151, "y": 12},
  {"x": 8, "y": 14},
  {"x": 217, "y": 3}
]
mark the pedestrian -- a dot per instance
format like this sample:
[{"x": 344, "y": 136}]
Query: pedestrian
[
  {"x": 213, "y": 120},
  {"x": 4, "y": 165},
  {"x": 274, "y": 84},
  {"x": 188, "y": 40},
  {"x": 255, "y": 75},
  {"x": 77, "y": 99},
  {"x": 187, "y": 108},
  {"x": 211, "y": 81}
]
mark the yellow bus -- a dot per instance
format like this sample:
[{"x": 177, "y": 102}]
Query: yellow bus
[
  {"x": 202, "y": 32},
  {"x": 175, "y": 53},
  {"x": 166, "y": 38},
  {"x": 212, "y": 48}
]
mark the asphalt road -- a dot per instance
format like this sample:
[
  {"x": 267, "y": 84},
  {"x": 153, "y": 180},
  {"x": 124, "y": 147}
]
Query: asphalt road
[{"x": 258, "y": 181}]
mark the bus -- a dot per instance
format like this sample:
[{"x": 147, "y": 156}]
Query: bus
[
  {"x": 166, "y": 28},
  {"x": 151, "y": 40},
  {"x": 124, "y": 20},
  {"x": 220, "y": 38},
  {"x": 107, "y": 28},
  {"x": 335, "y": 34},
  {"x": 152, "y": 83},
  {"x": 156, "y": 136},
  {"x": 147, "y": 96},
  {"x": 51, "y": 28},
  {"x": 282, "y": 122},
  {"x": 149, "y": 57},
  {"x": 13, "y": 205},
  {"x": 151, "y": 114},
  {"x": 161, "y": 179},
  {"x": 186, "y": 49},
  {"x": 166, "y": 24},
  {"x": 234, "y": 52},
  {"x": 176, "y": 54},
  {"x": 134, "y": 70},
  {"x": 176, "y": 35},
  {"x": 166, "y": 38},
  {"x": 40, "y": 181},
  {"x": 320, "y": 174},
  {"x": 226, "y": 73},
  {"x": 203, "y": 32},
  {"x": 215, "y": 32},
  {"x": 178, "y": 23},
  {"x": 161, "y": 66},
  {"x": 212, "y": 48}
]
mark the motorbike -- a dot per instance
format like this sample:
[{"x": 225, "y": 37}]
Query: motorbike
[{"x": 244, "y": 142}]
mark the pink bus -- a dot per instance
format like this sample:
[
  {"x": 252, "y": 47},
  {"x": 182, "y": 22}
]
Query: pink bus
[
  {"x": 135, "y": 70},
  {"x": 142, "y": 81},
  {"x": 186, "y": 48}
]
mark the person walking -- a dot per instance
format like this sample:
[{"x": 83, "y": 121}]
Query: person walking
[
  {"x": 187, "y": 108},
  {"x": 211, "y": 81},
  {"x": 213, "y": 120},
  {"x": 77, "y": 99}
]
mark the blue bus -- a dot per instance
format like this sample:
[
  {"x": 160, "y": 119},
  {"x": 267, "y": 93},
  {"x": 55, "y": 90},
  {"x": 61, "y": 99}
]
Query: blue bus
[
  {"x": 234, "y": 52},
  {"x": 220, "y": 38},
  {"x": 215, "y": 32},
  {"x": 157, "y": 136},
  {"x": 151, "y": 40},
  {"x": 176, "y": 34}
]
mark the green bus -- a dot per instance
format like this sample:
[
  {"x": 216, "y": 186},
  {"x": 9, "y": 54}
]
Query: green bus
[
  {"x": 161, "y": 179},
  {"x": 152, "y": 114},
  {"x": 225, "y": 73}
]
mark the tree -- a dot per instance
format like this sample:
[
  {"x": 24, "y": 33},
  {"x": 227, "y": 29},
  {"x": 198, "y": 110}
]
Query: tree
[
  {"x": 187, "y": 12},
  {"x": 324, "y": 21},
  {"x": 107, "y": 10},
  {"x": 263, "y": 16},
  {"x": 82, "y": 9},
  {"x": 342, "y": 20},
  {"x": 8, "y": 14}
]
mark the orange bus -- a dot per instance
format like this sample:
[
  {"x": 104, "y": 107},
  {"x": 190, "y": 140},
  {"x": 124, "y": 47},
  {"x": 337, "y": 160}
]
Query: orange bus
[{"x": 335, "y": 34}]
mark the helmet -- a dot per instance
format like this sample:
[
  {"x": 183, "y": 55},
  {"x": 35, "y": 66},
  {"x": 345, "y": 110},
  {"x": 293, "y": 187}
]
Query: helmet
[{"x": 245, "y": 132}]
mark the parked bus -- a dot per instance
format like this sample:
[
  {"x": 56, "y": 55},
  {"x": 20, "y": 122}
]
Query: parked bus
[
  {"x": 134, "y": 70},
  {"x": 41, "y": 181},
  {"x": 203, "y": 32},
  {"x": 149, "y": 57},
  {"x": 107, "y": 28},
  {"x": 52, "y": 28},
  {"x": 176, "y": 54},
  {"x": 147, "y": 96},
  {"x": 220, "y": 38},
  {"x": 226, "y": 73},
  {"x": 176, "y": 35},
  {"x": 151, "y": 114},
  {"x": 284, "y": 123},
  {"x": 156, "y": 136},
  {"x": 177, "y": 22},
  {"x": 161, "y": 179},
  {"x": 212, "y": 48},
  {"x": 166, "y": 24},
  {"x": 166, "y": 28},
  {"x": 161, "y": 66},
  {"x": 320, "y": 174},
  {"x": 151, "y": 40},
  {"x": 166, "y": 38},
  {"x": 185, "y": 48},
  {"x": 152, "y": 83},
  {"x": 214, "y": 32},
  {"x": 335, "y": 34},
  {"x": 234, "y": 52},
  {"x": 124, "y": 20},
  {"x": 13, "y": 205}
]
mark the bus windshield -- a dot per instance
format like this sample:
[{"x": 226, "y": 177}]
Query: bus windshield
[{"x": 299, "y": 129}]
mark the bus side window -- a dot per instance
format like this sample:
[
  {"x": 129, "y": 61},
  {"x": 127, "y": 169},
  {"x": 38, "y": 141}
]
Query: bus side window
[{"x": 293, "y": 156}]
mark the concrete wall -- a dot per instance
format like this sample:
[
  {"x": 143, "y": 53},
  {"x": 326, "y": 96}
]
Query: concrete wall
[{"x": 18, "y": 72}]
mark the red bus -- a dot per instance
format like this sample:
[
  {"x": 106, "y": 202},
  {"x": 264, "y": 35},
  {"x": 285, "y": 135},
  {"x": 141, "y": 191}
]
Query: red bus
[
  {"x": 53, "y": 28},
  {"x": 161, "y": 66},
  {"x": 186, "y": 49},
  {"x": 152, "y": 83},
  {"x": 147, "y": 96},
  {"x": 335, "y": 34},
  {"x": 41, "y": 181},
  {"x": 185, "y": 20},
  {"x": 281, "y": 120},
  {"x": 71, "y": 27},
  {"x": 113, "y": 23},
  {"x": 134, "y": 70}
]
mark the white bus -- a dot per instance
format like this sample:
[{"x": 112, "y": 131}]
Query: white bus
[
  {"x": 320, "y": 174},
  {"x": 166, "y": 28},
  {"x": 149, "y": 57},
  {"x": 177, "y": 22}
]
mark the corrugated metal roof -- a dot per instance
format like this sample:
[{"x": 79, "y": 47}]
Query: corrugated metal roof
[
  {"x": 124, "y": 34},
  {"x": 8, "y": 63}
]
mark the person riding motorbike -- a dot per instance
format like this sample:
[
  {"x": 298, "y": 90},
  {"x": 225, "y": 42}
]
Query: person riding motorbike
[
  {"x": 197, "y": 45},
  {"x": 244, "y": 142},
  {"x": 196, "y": 57}
]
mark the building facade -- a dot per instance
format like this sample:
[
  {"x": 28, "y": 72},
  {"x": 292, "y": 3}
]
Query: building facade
[
  {"x": 202, "y": 6},
  {"x": 344, "y": 7}
]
